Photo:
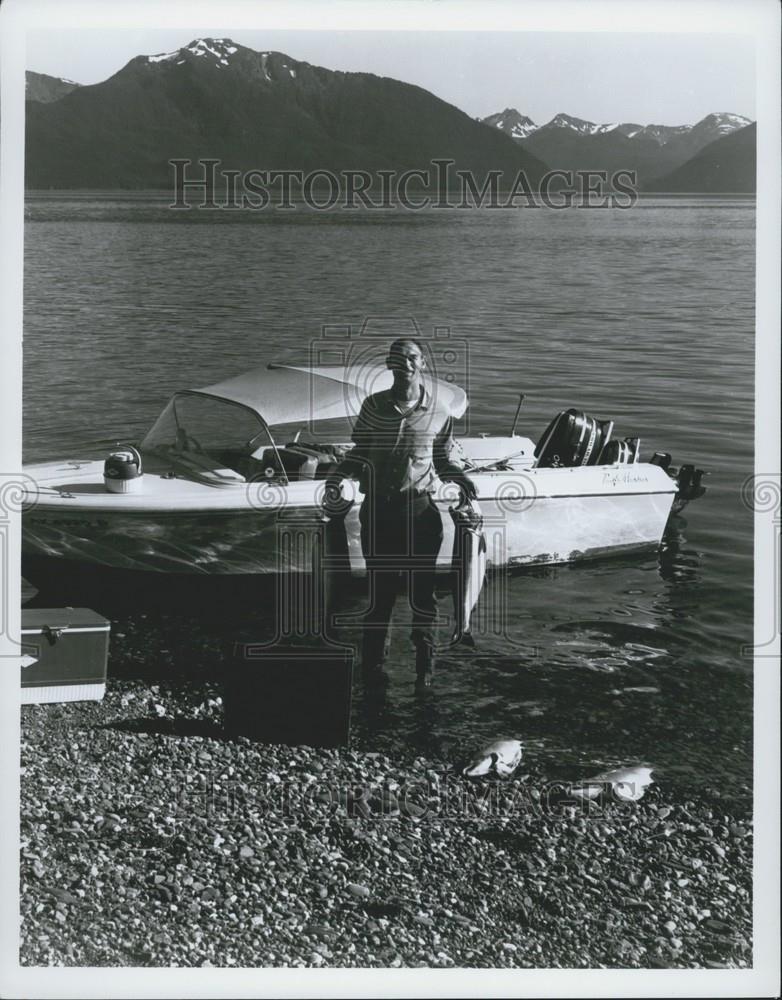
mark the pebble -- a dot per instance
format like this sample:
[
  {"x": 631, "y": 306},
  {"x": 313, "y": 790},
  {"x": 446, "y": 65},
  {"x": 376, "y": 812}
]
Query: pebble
[
  {"x": 636, "y": 904},
  {"x": 198, "y": 824},
  {"x": 718, "y": 926}
]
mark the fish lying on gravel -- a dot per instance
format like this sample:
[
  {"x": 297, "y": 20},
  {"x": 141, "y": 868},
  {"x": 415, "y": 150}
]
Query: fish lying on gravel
[
  {"x": 502, "y": 758},
  {"x": 628, "y": 784}
]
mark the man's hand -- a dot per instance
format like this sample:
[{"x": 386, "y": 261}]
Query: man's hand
[
  {"x": 464, "y": 483},
  {"x": 334, "y": 502},
  {"x": 333, "y": 490}
]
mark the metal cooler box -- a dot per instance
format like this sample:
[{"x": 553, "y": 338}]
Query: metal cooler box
[{"x": 64, "y": 653}]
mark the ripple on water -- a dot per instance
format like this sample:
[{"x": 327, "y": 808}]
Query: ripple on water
[{"x": 644, "y": 316}]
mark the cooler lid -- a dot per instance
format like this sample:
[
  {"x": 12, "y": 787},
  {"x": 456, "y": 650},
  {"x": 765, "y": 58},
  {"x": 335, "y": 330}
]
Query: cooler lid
[{"x": 34, "y": 619}]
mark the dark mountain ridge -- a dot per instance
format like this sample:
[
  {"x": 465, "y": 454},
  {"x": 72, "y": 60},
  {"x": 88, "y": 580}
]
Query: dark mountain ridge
[
  {"x": 726, "y": 166},
  {"x": 251, "y": 110},
  {"x": 44, "y": 88}
]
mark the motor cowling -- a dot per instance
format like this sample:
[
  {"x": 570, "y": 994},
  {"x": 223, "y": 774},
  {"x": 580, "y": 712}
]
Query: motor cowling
[
  {"x": 122, "y": 470},
  {"x": 572, "y": 439}
]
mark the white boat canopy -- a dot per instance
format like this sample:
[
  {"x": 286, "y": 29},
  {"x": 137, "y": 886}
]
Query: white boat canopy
[{"x": 284, "y": 393}]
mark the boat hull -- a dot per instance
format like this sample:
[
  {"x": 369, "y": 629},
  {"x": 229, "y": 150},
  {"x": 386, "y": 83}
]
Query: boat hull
[{"x": 530, "y": 518}]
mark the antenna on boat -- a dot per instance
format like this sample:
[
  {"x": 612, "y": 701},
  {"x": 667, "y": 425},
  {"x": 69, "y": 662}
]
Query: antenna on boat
[{"x": 516, "y": 417}]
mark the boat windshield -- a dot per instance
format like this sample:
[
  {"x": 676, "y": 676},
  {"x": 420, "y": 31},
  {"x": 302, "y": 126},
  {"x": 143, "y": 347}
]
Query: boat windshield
[
  {"x": 207, "y": 429},
  {"x": 213, "y": 438}
]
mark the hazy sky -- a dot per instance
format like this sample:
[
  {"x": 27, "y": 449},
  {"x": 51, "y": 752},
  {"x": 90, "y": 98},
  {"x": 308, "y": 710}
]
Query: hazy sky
[{"x": 666, "y": 79}]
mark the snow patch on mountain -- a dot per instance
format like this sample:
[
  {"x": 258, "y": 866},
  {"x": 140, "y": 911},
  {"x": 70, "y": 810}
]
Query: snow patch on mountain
[
  {"x": 580, "y": 125},
  {"x": 202, "y": 46},
  {"x": 218, "y": 49},
  {"x": 512, "y": 123},
  {"x": 576, "y": 124},
  {"x": 723, "y": 123},
  {"x": 522, "y": 129},
  {"x": 59, "y": 79},
  {"x": 162, "y": 56}
]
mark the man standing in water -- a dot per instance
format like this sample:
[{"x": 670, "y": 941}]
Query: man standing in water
[{"x": 404, "y": 447}]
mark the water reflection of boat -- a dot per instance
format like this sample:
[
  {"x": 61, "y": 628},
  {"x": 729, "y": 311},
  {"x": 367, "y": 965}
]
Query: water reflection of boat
[{"x": 230, "y": 480}]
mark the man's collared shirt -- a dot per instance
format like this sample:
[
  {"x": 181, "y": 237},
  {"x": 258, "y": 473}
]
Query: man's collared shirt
[{"x": 403, "y": 450}]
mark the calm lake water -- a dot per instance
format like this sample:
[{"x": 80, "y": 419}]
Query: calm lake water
[{"x": 644, "y": 316}]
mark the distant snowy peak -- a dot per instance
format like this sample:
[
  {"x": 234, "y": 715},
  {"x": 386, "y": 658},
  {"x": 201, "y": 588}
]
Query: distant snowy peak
[
  {"x": 216, "y": 50},
  {"x": 223, "y": 52},
  {"x": 576, "y": 124},
  {"x": 714, "y": 126},
  {"x": 661, "y": 134},
  {"x": 520, "y": 127},
  {"x": 512, "y": 123},
  {"x": 629, "y": 129},
  {"x": 723, "y": 122}
]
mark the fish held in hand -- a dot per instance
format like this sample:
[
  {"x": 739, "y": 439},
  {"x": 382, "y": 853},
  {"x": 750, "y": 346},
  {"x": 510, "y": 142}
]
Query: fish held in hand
[
  {"x": 468, "y": 564},
  {"x": 501, "y": 758}
]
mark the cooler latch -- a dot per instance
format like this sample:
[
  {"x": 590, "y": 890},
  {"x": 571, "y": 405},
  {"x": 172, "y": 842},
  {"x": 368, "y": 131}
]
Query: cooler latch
[{"x": 52, "y": 634}]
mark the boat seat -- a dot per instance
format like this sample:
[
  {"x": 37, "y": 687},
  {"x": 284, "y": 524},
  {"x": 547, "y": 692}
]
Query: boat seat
[
  {"x": 300, "y": 462},
  {"x": 620, "y": 452}
]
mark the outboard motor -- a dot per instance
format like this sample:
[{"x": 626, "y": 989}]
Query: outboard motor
[
  {"x": 689, "y": 483},
  {"x": 572, "y": 439},
  {"x": 122, "y": 470}
]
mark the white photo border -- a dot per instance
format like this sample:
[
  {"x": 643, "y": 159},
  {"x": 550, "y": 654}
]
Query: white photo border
[{"x": 758, "y": 18}]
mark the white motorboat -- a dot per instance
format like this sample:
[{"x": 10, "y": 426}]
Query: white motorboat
[{"x": 230, "y": 479}]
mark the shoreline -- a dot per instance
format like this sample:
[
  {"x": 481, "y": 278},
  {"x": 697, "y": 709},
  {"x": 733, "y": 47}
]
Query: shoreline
[{"x": 150, "y": 840}]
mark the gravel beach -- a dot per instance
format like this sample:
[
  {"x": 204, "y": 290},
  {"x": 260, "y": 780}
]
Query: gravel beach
[{"x": 149, "y": 839}]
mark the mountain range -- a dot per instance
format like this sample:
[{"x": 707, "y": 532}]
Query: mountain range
[
  {"x": 252, "y": 110},
  {"x": 265, "y": 110},
  {"x": 653, "y": 151}
]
